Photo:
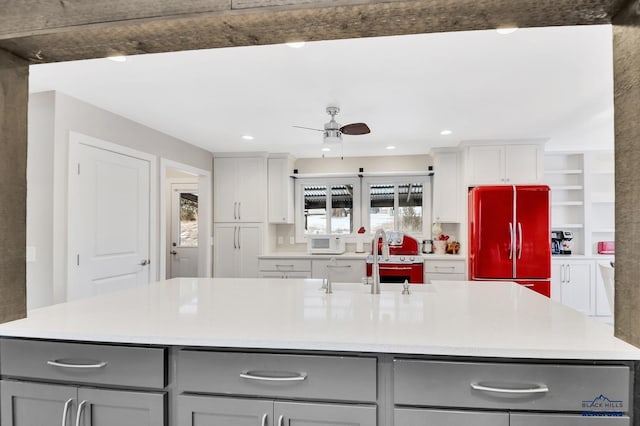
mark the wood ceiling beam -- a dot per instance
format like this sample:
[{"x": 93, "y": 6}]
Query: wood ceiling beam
[{"x": 62, "y": 30}]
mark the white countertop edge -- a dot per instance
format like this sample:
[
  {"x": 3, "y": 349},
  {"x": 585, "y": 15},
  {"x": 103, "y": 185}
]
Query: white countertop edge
[{"x": 504, "y": 353}]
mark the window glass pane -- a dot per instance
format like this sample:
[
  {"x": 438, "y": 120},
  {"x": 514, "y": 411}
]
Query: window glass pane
[
  {"x": 381, "y": 210},
  {"x": 341, "y": 209},
  {"x": 410, "y": 207},
  {"x": 188, "y": 219},
  {"x": 315, "y": 209}
]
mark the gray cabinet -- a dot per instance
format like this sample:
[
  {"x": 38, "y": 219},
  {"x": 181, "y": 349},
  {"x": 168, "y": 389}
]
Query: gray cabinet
[
  {"x": 429, "y": 417},
  {"x": 216, "y": 411},
  {"x": 525, "y": 419},
  {"x": 27, "y": 403}
]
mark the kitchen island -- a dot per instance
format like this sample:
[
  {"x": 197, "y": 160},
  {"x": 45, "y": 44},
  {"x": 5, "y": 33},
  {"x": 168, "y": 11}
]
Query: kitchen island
[{"x": 275, "y": 352}]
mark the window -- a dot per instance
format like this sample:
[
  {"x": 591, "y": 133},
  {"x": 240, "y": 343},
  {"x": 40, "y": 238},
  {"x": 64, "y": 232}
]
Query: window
[
  {"x": 188, "y": 219},
  {"x": 327, "y": 206},
  {"x": 341, "y": 205},
  {"x": 397, "y": 204}
]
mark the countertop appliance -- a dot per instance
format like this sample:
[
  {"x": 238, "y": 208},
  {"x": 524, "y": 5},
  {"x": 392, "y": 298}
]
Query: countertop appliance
[
  {"x": 509, "y": 228},
  {"x": 561, "y": 242},
  {"x": 404, "y": 263},
  {"x": 325, "y": 244}
]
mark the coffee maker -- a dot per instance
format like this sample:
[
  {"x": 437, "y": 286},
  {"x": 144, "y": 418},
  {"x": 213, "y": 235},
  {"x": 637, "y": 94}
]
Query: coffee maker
[{"x": 561, "y": 242}]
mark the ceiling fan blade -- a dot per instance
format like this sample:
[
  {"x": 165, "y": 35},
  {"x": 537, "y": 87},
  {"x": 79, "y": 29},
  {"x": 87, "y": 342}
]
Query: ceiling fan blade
[
  {"x": 355, "y": 129},
  {"x": 308, "y": 128}
]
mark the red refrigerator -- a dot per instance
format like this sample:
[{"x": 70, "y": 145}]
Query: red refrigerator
[{"x": 509, "y": 235}]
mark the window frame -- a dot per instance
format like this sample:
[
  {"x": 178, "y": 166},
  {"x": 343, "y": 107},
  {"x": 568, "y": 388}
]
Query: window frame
[
  {"x": 301, "y": 237},
  {"x": 396, "y": 180}
]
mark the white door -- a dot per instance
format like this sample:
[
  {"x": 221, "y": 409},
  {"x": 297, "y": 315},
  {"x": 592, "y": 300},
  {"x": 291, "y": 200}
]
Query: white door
[
  {"x": 184, "y": 230},
  {"x": 249, "y": 248},
  {"x": 109, "y": 221}
]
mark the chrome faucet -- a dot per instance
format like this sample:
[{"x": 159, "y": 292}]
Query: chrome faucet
[{"x": 375, "y": 270}]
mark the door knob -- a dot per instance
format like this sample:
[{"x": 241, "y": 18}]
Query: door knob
[{"x": 145, "y": 262}]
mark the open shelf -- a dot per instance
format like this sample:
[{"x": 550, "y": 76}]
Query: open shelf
[
  {"x": 566, "y": 203},
  {"x": 563, "y": 172}
]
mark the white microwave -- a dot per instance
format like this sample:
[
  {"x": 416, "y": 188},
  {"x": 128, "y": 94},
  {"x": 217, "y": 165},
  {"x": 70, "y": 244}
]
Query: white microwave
[{"x": 325, "y": 244}]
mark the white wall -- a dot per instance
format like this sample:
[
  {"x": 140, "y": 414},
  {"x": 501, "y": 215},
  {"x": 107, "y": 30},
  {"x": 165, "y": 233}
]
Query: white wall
[
  {"x": 399, "y": 163},
  {"x": 48, "y": 169}
]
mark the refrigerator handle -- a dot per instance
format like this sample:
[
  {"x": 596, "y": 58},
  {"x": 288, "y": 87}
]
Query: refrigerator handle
[
  {"x": 510, "y": 241},
  {"x": 519, "y": 240}
]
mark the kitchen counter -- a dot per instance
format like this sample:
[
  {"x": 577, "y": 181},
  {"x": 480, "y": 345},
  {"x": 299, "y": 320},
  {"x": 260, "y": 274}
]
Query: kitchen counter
[{"x": 444, "y": 318}]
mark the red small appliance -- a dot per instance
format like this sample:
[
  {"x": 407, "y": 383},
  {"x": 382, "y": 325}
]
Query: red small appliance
[
  {"x": 606, "y": 247},
  {"x": 404, "y": 263}
]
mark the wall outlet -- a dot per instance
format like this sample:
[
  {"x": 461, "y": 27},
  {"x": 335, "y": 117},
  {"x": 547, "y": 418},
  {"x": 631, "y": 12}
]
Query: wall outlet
[
  {"x": 280, "y": 240},
  {"x": 292, "y": 240}
]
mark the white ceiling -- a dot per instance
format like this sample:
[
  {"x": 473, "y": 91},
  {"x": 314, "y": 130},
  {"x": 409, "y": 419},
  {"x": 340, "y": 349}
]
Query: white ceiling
[{"x": 554, "y": 82}]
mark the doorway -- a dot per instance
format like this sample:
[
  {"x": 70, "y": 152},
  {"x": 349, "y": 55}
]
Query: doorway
[{"x": 185, "y": 222}]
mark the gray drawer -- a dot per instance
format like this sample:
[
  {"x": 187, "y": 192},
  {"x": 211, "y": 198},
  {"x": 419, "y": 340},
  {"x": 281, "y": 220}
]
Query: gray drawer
[
  {"x": 449, "y": 384},
  {"x": 285, "y": 265},
  {"x": 422, "y": 417},
  {"x": 445, "y": 266},
  {"x": 326, "y": 377},
  {"x": 566, "y": 420},
  {"x": 125, "y": 365}
]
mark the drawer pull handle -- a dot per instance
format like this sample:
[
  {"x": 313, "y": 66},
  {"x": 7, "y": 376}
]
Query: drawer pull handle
[
  {"x": 290, "y": 377},
  {"x": 65, "y": 411},
  {"x": 444, "y": 267},
  {"x": 281, "y": 421},
  {"x": 79, "y": 415},
  {"x": 285, "y": 267},
  {"x": 57, "y": 363},
  {"x": 536, "y": 389},
  {"x": 338, "y": 266},
  {"x": 264, "y": 420}
]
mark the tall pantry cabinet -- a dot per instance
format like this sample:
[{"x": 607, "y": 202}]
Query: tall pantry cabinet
[{"x": 239, "y": 214}]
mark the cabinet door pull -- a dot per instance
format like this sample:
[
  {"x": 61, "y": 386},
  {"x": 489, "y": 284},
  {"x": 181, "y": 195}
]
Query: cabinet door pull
[
  {"x": 235, "y": 231},
  {"x": 535, "y": 389},
  {"x": 562, "y": 273},
  {"x": 79, "y": 415},
  {"x": 289, "y": 377},
  {"x": 235, "y": 209},
  {"x": 281, "y": 421},
  {"x": 264, "y": 420},
  {"x": 58, "y": 363},
  {"x": 239, "y": 205},
  {"x": 65, "y": 411},
  {"x": 568, "y": 273},
  {"x": 239, "y": 237}
]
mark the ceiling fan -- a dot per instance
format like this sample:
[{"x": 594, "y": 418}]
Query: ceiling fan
[{"x": 333, "y": 131}]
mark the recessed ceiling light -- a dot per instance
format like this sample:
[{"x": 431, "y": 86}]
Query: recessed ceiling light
[
  {"x": 506, "y": 30},
  {"x": 117, "y": 58},
  {"x": 295, "y": 44},
  {"x": 248, "y": 137},
  {"x": 390, "y": 147},
  {"x": 446, "y": 132}
]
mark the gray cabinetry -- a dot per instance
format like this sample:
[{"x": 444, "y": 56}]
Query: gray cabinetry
[
  {"x": 522, "y": 419},
  {"x": 431, "y": 417},
  {"x": 27, "y": 403},
  {"x": 195, "y": 410},
  {"x": 73, "y": 370}
]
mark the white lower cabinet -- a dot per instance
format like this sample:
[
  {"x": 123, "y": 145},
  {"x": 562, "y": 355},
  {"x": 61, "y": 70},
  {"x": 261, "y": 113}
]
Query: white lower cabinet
[
  {"x": 339, "y": 270},
  {"x": 285, "y": 268},
  {"x": 444, "y": 270},
  {"x": 236, "y": 249},
  {"x": 217, "y": 411},
  {"x": 572, "y": 284}
]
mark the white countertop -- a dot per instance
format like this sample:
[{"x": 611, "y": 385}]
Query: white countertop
[
  {"x": 445, "y": 318},
  {"x": 349, "y": 256}
]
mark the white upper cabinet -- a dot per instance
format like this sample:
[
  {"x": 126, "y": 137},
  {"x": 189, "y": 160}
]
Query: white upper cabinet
[
  {"x": 446, "y": 187},
  {"x": 506, "y": 163},
  {"x": 281, "y": 208},
  {"x": 240, "y": 186}
]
